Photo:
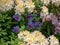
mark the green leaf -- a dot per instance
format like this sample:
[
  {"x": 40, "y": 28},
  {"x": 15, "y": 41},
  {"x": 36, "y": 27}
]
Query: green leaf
[{"x": 22, "y": 27}]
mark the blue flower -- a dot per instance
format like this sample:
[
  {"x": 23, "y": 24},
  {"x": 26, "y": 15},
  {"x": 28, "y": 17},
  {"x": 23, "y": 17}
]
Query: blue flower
[
  {"x": 16, "y": 29},
  {"x": 17, "y": 17},
  {"x": 30, "y": 17},
  {"x": 31, "y": 25},
  {"x": 38, "y": 24}
]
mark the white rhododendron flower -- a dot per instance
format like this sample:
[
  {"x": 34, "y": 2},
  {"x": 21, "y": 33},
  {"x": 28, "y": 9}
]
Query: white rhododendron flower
[
  {"x": 44, "y": 11},
  {"x": 22, "y": 4},
  {"x": 33, "y": 38},
  {"x": 56, "y": 2},
  {"x": 30, "y": 5},
  {"x": 45, "y": 2},
  {"x": 53, "y": 40},
  {"x": 6, "y": 5},
  {"x": 19, "y": 8},
  {"x": 37, "y": 38},
  {"x": 18, "y": 1}
]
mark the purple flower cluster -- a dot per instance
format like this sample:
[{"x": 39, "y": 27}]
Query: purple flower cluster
[
  {"x": 57, "y": 27},
  {"x": 17, "y": 17},
  {"x": 16, "y": 29},
  {"x": 38, "y": 24},
  {"x": 32, "y": 25},
  {"x": 30, "y": 17}
]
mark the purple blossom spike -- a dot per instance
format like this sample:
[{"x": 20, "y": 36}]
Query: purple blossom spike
[
  {"x": 38, "y": 24},
  {"x": 16, "y": 29},
  {"x": 17, "y": 17},
  {"x": 57, "y": 30},
  {"x": 31, "y": 25}
]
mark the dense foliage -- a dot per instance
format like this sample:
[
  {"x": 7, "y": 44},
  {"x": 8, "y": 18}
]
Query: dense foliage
[{"x": 30, "y": 15}]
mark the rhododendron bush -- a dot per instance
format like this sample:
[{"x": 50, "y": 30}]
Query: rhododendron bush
[{"x": 29, "y": 22}]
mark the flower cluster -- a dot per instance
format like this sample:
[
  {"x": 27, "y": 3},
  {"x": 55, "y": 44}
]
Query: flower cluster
[
  {"x": 33, "y": 38},
  {"x": 16, "y": 29},
  {"x": 37, "y": 38},
  {"x": 28, "y": 16},
  {"x": 47, "y": 2},
  {"x": 21, "y": 5},
  {"x": 54, "y": 21},
  {"x": 6, "y": 5},
  {"x": 56, "y": 2},
  {"x": 44, "y": 11},
  {"x": 30, "y": 5},
  {"x": 17, "y": 17},
  {"x": 53, "y": 40},
  {"x": 33, "y": 25}
]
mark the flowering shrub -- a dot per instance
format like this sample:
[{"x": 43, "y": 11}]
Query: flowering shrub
[
  {"x": 29, "y": 22},
  {"x": 37, "y": 38}
]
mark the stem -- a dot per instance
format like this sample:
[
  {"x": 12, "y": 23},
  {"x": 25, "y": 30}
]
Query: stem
[{"x": 48, "y": 30}]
